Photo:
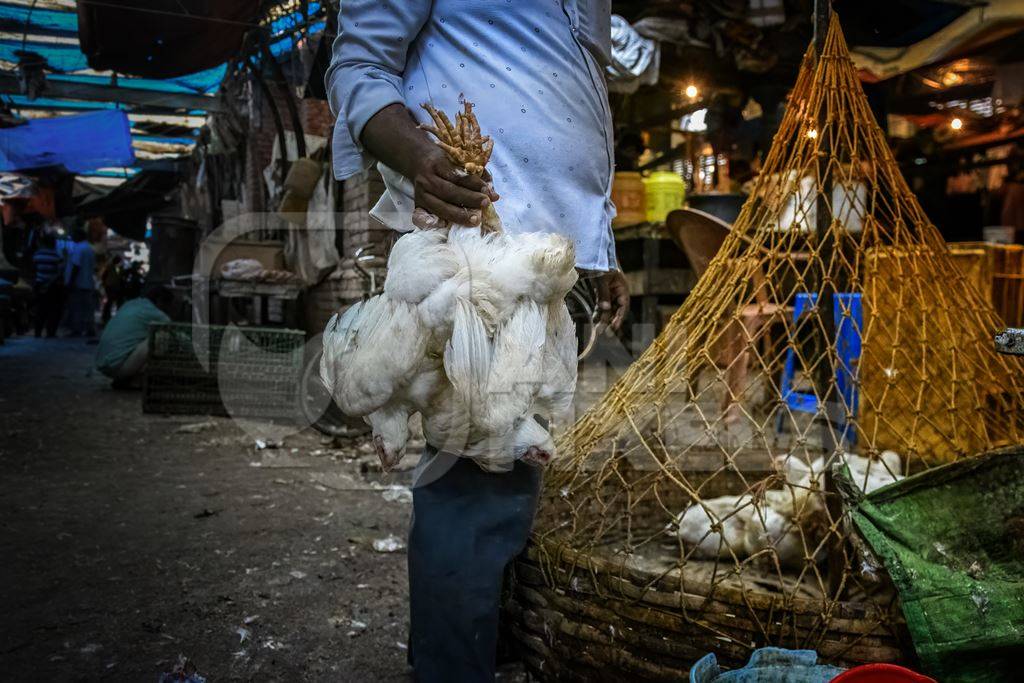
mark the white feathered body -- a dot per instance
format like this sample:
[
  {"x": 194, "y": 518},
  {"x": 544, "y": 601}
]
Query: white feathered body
[
  {"x": 472, "y": 332},
  {"x": 788, "y": 522}
]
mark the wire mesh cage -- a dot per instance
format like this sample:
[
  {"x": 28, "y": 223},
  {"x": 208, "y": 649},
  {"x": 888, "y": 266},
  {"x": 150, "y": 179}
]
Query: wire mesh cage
[
  {"x": 693, "y": 511},
  {"x": 223, "y": 370}
]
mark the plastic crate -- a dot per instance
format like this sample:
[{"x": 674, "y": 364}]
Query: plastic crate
[{"x": 223, "y": 370}]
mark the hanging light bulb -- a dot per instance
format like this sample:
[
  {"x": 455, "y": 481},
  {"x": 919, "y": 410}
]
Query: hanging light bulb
[
  {"x": 692, "y": 91},
  {"x": 957, "y": 123},
  {"x": 812, "y": 134}
]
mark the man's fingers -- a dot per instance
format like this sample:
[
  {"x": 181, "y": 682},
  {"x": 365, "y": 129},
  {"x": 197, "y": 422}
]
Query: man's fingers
[
  {"x": 449, "y": 212},
  {"x": 621, "y": 308},
  {"x": 458, "y": 195},
  {"x": 424, "y": 220},
  {"x": 604, "y": 302},
  {"x": 619, "y": 290},
  {"x": 470, "y": 181},
  {"x": 489, "y": 185}
]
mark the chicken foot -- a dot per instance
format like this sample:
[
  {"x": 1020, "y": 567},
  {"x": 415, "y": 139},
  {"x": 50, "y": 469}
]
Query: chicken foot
[{"x": 466, "y": 147}]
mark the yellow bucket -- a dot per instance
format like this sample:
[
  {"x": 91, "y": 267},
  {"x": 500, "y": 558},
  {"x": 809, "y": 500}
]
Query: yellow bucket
[{"x": 665, "y": 191}]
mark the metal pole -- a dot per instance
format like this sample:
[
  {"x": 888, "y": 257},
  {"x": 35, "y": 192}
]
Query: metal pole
[
  {"x": 826, "y": 379},
  {"x": 826, "y": 246},
  {"x": 822, "y": 14}
]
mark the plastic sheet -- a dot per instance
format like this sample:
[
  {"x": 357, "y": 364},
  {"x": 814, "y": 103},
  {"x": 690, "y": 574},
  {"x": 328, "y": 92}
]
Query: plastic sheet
[
  {"x": 951, "y": 540},
  {"x": 635, "y": 59},
  {"x": 79, "y": 143}
]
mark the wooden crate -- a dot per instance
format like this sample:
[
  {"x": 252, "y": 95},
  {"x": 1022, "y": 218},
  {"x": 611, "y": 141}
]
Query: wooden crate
[
  {"x": 919, "y": 394},
  {"x": 1008, "y": 282},
  {"x": 976, "y": 262},
  {"x": 1005, "y": 277}
]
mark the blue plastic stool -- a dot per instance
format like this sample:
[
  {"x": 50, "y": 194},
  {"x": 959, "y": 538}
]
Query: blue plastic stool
[{"x": 848, "y": 314}]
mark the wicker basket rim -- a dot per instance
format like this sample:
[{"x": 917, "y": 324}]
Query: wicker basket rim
[{"x": 541, "y": 550}]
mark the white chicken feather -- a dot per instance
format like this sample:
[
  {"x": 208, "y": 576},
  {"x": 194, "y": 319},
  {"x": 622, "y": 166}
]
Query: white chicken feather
[
  {"x": 768, "y": 529},
  {"x": 787, "y": 521},
  {"x": 473, "y": 333},
  {"x": 419, "y": 262},
  {"x": 471, "y": 330},
  {"x": 715, "y": 528},
  {"x": 560, "y": 362}
]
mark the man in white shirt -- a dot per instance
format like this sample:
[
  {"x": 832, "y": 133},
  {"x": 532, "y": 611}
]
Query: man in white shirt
[{"x": 535, "y": 73}]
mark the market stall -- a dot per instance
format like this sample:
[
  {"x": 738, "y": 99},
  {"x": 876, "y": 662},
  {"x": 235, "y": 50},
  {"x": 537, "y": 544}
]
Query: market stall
[{"x": 699, "y": 509}]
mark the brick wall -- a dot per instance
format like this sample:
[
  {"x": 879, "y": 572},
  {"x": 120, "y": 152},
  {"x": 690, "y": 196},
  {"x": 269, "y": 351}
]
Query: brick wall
[
  {"x": 316, "y": 119},
  {"x": 358, "y": 194},
  {"x": 347, "y": 285}
]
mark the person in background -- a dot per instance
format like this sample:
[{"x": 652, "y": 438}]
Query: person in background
[
  {"x": 124, "y": 346},
  {"x": 132, "y": 280},
  {"x": 81, "y": 264},
  {"x": 112, "y": 279},
  {"x": 48, "y": 285}
]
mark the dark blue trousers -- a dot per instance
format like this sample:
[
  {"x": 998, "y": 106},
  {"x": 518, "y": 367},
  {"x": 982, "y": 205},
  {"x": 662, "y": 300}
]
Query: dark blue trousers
[{"x": 467, "y": 526}]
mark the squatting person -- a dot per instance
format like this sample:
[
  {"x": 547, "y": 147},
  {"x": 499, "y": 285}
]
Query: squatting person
[{"x": 124, "y": 345}]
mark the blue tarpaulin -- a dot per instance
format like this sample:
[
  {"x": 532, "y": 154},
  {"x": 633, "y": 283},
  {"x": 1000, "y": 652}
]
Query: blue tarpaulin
[
  {"x": 79, "y": 143},
  {"x": 50, "y": 32},
  {"x": 36, "y": 30},
  {"x": 49, "y": 22},
  {"x": 66, "y": 58}
]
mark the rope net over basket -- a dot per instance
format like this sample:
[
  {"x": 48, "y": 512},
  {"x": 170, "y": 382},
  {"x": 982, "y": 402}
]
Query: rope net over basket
[{"x": 833, "y": 324}]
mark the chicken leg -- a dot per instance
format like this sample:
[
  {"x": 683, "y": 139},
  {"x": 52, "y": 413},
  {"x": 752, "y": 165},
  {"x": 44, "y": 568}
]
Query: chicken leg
[{"x": 467, "y": 147}]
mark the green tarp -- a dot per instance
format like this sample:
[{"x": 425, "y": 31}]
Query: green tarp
[{"x": 952, "y": 539}]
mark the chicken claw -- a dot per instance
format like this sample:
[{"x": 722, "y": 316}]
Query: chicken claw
[
  {"x": 466, "y": 147},
  {"x": 424, "y": 220},
  {"x": 462, "y": 141}
]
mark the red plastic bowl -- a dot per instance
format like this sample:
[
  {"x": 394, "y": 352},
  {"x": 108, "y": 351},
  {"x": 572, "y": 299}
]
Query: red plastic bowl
[{"x": 881, "y": 673}]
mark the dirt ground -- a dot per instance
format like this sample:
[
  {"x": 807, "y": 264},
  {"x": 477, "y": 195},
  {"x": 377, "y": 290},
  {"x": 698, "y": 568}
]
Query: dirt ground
[{"x": 131, "y": 540}]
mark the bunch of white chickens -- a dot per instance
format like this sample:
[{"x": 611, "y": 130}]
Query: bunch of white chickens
[
  {"x": 471, "y": 332},
  {"x": 787, "y": 523}
]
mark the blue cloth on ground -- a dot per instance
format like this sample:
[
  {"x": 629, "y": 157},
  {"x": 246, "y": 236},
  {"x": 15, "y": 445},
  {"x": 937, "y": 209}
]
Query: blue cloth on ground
[
  {"x": 767, "y": 665},
  {"x": 467, "y": 526}
]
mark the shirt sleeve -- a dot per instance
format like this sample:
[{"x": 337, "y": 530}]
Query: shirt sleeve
[{"x": 368, "y": 60}]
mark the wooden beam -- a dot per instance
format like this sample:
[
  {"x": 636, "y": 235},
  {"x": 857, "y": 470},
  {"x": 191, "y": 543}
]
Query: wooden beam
[{"x": 136, "y": 98}]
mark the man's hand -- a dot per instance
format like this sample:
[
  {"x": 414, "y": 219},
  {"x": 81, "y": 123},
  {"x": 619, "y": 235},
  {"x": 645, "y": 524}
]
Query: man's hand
[
  {"x": 393, "y": 136},
  {"x": 448, "y": 192},
  {"x": 612, "y": 298}
]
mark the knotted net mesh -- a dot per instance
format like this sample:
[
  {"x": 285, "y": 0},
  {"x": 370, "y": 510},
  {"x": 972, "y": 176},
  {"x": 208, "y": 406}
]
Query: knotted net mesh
[{"x": 833, "y": 320}]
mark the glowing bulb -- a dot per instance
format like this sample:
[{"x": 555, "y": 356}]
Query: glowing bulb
[
  {"x": 692, "y": 91},
  {"x": 812, "y": 133},
  {"x": 957, "y": 123}
]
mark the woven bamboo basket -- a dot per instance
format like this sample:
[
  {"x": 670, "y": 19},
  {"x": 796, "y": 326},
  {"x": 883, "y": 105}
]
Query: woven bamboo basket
[
  {"x": 642, "y": 561},
  {"x": 578, "y": 617}
]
